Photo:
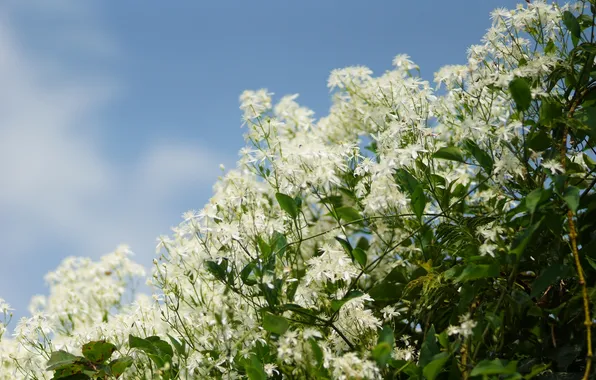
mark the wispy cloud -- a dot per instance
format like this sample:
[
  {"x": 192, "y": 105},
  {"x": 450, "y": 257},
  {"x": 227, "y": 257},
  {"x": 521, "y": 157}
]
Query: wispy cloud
[{"x": 58, "y": 185}]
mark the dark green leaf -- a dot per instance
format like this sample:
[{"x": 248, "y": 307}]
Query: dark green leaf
[
  {"x": 550, "y": 110},
  {"x": 432, "y": 369},
  {"x": 264, "y": 248},
  {"x": 480, "y": 155},
  {"x": 317, "y": 352},
  {"x": 522, "y": 239},
  {"x": 418, "y": 202},
  {"x": 571, "y": 197},
  {"x": 537, "y": 197},
  {"x": 216, "y": 269},
  {"x": 521, "y": 93},
  {"x": 548, "y": 277},
  {"x": 406, "y": 181},
  {"x": 98, "y": 351},
  {"x": 564, "y": 356},
  {"x": 254, "y": 369},
  {"x": 391, "y": 287},
  {"x": 345, "y": 244},
  {"x": 540, "y": 141},
  {"x": 348, "y": 214},
  {"x": 245, "y": 274},
  {"x": 386, "y": 335},
  {"x": 494, "y": 367},
  {"x": 288, "y": 204},
  {"x": 278, "y": 244},
  {"x": 180, "y": 347},
  {"x": 450, "y": 153},
  {"x": 591, "y": 262},
  {"x": 61, "y": 358},
  {"x": 118, "y": 366},
  {"x": 151, "y": 345},
  {"x": 477, "y": 271},
  {"x": 275, "y": 323},
  {"x": 572, "y": 24},
  {"x": 360, "y": 256},
  {"x": 72, "y": 372},
  {"x": 381, "y": 353},
  {"x": 537, "y": 370},
  {"x": 550, "y": 47},
  {"x": 429, "y": 348}
]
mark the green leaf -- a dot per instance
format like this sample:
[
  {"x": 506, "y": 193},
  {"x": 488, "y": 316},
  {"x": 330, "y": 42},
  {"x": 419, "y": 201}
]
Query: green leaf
[
  {"x": 360, "y": 256},
  {"x": 443, "y": 339},
  {"x": 537, "y": 197},
  {"x": 98, "y": 351},
  {"x": 386, "y": 335},
  {"x": 540, "y": 141},
  {"x": 548, "y": 277},
  {"x": 346, "y": 245},
  {"x": 571, "y": 197},
  {"x": 278, "y": 244},
  {"x": 180, "y": 347},
  {"x": 254, "y": 369},
  {"x": 550, "y": 47},
  {"x": 537, "y": 370},
  {"x": 160, "y": 345},
  {"x": 450, "y": 153},
  {"x": 158, "y": 350},
  {"x": 521, "y": 240},
  {"x": 61, "y": 358},
  {"x": 118, "y": 366},
  {"x": 406, "y": 181},
  {"x": 480, "y": 155},
  {"x": 572, "y": 24},
  {"x": 429, "y": 348},
  {"x": 264, "y": 248},
  {"x": 216, "y": 269},
  {"x": 418, "y": 202},
  {"x": 391, "y": 287},
  {"x": 317, "y": 352},
  {"x": 590, "y": 163},
  {"x": 72, "y": 372},
  {"x": 494, "y": 367},
  {"x": 245, "y": 274},
  {"x": 337, "y": 304},
  {"x": 521, "y": 93},
  {"x": 477, "y": 271},
  {"x": 550, "y": 110},
  {"x": 381, "y": 353},
  {"x": 288, "y": 204},
  {"x": 275, "y": 323},
  {"x": 591, "y": 262},
  {"x": 432, "y": 369},
  {"x": 348, "y": 214}
]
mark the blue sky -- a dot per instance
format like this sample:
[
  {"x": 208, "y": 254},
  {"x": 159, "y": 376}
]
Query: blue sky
[{"x": 114, "y": 116}]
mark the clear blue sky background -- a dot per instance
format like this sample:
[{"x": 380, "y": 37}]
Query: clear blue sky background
[{"x": 114, "y": 116}]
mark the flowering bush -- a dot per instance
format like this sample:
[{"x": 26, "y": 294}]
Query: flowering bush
[{"x": 408, "y": 234}]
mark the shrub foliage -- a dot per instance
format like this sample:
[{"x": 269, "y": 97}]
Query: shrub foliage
[{"x": 413, "y": 232}]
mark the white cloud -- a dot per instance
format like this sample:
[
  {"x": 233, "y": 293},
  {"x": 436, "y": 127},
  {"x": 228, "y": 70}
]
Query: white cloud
[{"x": 56, "y": 181}]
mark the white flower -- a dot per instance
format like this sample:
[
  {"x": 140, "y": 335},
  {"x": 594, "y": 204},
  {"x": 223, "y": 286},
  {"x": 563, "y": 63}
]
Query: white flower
[
  {"x": 254, "y": 103},
  {"x": 488, "y": 249},
  {"x": 465, "y": 328},
  {"x": 389, "y": 312},
  {"x": 552, "y": 165},
  {"x": 270, "y": 369}
]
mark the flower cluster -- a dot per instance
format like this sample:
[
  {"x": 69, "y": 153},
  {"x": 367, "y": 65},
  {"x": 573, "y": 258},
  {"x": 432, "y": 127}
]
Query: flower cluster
[{"x": 350, "y": 247}]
